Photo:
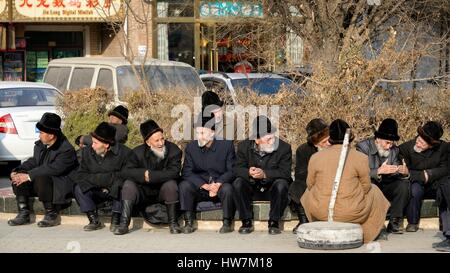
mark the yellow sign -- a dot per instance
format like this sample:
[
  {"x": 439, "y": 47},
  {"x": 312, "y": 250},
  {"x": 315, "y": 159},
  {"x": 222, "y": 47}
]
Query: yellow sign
[
  {"x": 66, "y": 10},
  {"x": 3, "y": 11}
]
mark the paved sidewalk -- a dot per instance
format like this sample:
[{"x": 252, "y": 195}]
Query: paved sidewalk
[{"x": 68, "y": 238}]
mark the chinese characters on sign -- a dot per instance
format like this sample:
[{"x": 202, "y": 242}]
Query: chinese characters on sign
[
  {"x": 68, "y": 9},
  {"x": 230, "y": 9}
]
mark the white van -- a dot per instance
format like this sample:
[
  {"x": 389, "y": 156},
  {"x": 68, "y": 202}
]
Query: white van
[{"x": 116, "y": 75}]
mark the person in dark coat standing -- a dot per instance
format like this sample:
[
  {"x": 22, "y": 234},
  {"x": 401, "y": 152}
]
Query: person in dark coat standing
[
  {"x": 100, "y": 177},
  {"x": 384, "y": 162},
  {"x": 444, "y": 208},
  {"x": 118, "y": 118},
  {"x": 152, "y": 176},
  {"x": 426, "y": 166},
  {"x": 263, "y": 165},
  {"x": 207, "y": 175},
  {"x": 317, "y": 139},
  {"x": 46, "y": 174}
]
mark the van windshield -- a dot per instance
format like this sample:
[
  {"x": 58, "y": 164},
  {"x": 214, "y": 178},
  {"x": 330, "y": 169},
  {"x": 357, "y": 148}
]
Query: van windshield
[{"x": 159, "y": 78}]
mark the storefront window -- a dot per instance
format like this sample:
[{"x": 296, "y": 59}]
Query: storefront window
[
  {"x": 176, "y": 42},
  {"x": 175, "y": 8}
]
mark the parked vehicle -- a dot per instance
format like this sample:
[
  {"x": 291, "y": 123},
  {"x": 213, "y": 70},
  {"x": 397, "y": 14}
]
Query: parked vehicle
[
  {"x": 117, "y": 76},
  {"x": 22, "y": 104},
  {"x": 228, "y": 84}
]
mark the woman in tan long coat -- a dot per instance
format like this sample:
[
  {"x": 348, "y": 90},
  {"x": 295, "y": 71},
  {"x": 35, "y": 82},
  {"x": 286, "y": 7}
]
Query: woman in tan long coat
[{"x": 358, "y": 201}]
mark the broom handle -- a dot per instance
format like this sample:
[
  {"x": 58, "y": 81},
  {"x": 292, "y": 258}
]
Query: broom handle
[{"x": 339, "y": 172}]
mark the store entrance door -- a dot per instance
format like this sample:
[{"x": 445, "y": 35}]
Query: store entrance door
[{"x": 42, "y": 47}]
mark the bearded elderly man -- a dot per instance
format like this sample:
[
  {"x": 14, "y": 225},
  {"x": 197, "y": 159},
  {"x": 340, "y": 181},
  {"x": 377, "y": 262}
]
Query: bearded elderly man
[
  {"x": 152, "y": 176},
  {"x": 263, "y": 166},
  {"x": 384, "y": 164},
  {"x": 207, "y": 174}
]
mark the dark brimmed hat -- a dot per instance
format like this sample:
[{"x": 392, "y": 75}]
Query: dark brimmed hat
[
  {"x": 431, "y": 132},
  {"x": 50, "y": 123},
  {"x": 120, "y": 112},
  {"x": 105, "y": 133},
  {"x": 210, "y": 98},
  {"x": 388, "y": 130},
  {"x": 317, "y": 130},
  {"x": 337, "y": 132},
  {"x": 148, "y": 128}
]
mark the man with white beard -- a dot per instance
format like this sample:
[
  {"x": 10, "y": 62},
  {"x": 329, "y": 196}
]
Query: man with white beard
[
  {"x": 426, "y": 165},
  {"x": 152, "y": 176},
  {"x": 263, "y": 170},
  {"x": 207, "y": 174},
  {"x": 384, "y": 163}
]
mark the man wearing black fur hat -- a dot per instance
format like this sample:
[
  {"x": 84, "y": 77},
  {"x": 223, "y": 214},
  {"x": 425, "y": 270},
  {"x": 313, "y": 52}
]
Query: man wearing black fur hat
[
  {"x": 152, "y": 175},
  {"x": 100, "y": 177},
  {"x": 317, "y": 139},
  {"x": 263, "y": 166},
  {"x": 46, "y": 174},
  {"x": 384, "y": 165},
  {"x": 426, "y": 165},
  {"x": 207, "y": 175}
]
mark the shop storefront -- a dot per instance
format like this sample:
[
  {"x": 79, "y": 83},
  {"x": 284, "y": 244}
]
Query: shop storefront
[
  {"x": 211, "y": 35},
  {"x": 33, "y": 32}
]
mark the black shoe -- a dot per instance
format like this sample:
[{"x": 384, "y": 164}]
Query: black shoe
[
  {"x": 442, "y": 246},
  {"x": 412, "y": 228},
  {"x": 394, "y": 226},
  {"x": 173, "y": 219},
  {"x": 294, "y": 230},
  {"x": 383, "y": 235},
  {"x": 227, "y": 226},
  {"x": 94, "y": 222},
  {"x": 125, "y": 217},
  {"x": 23, "y": 217},
  {"x": 189, "y": 225},
  {"x": 247, "y": 227},
  {"x": 115, "y": 221},
  {"x": 50, "y": 217},
  {"x": 274, "y": 227}
]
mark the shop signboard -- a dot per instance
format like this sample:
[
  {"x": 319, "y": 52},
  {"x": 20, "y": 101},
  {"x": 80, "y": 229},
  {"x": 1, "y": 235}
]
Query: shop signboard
[{"x": 230, "y": 9}]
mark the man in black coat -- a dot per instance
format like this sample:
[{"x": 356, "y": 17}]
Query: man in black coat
[
  {"x": 100, "y": 177},
  {"x": 46, "y": 174},
  {"x": 426, "y": 167},
  {"x": 263, "y": 165},
  {"x": 152, "y": 175},
  {"x": 207, "y": 174},
  {"x": 444, "y": 208},
  {"x": 317, "y": 139},
  {"x": 384, "y": 165}
]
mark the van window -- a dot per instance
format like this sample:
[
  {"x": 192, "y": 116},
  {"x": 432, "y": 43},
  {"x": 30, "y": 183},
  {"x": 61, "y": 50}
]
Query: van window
[
  {"x": 105, "y": 80},
  {"x": 58, "y": 77},
  {"x": 81, "y": 78},
  {"x": 160, "y": 78}
]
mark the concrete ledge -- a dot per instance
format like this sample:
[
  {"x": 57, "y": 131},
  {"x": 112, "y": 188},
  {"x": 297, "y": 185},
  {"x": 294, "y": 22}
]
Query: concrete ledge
[
  {"x": 260, "y": 210},
  {"x": 139, "y": 223}
]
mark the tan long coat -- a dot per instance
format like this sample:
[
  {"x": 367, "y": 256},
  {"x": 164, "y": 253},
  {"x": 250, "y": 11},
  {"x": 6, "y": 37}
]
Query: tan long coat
[{"x": 358, "y": 201}]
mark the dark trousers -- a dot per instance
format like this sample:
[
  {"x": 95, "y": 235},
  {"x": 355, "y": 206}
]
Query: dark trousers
[
  {"x": 41, "y": 186},
  {"x": 397, "y": 192},
  {"x": 444, "y": 207},
  {"x": 190, "y": 194},
  {"x": 89, "y": 200},
  {"x": 166, "y": 192},
  {"x": 277, "y": 194},
  {"x": 419, "y": 191}
]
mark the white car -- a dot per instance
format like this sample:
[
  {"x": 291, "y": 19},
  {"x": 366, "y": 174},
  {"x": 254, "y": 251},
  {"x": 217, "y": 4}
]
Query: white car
[
  {"x": 227, "y": 84},
  {"x": 22, "y": 105}
]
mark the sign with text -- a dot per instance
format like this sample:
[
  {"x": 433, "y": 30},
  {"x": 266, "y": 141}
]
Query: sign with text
[
  {"x": 66, "y": 10},
  {"x": 230, "y": 9}
]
